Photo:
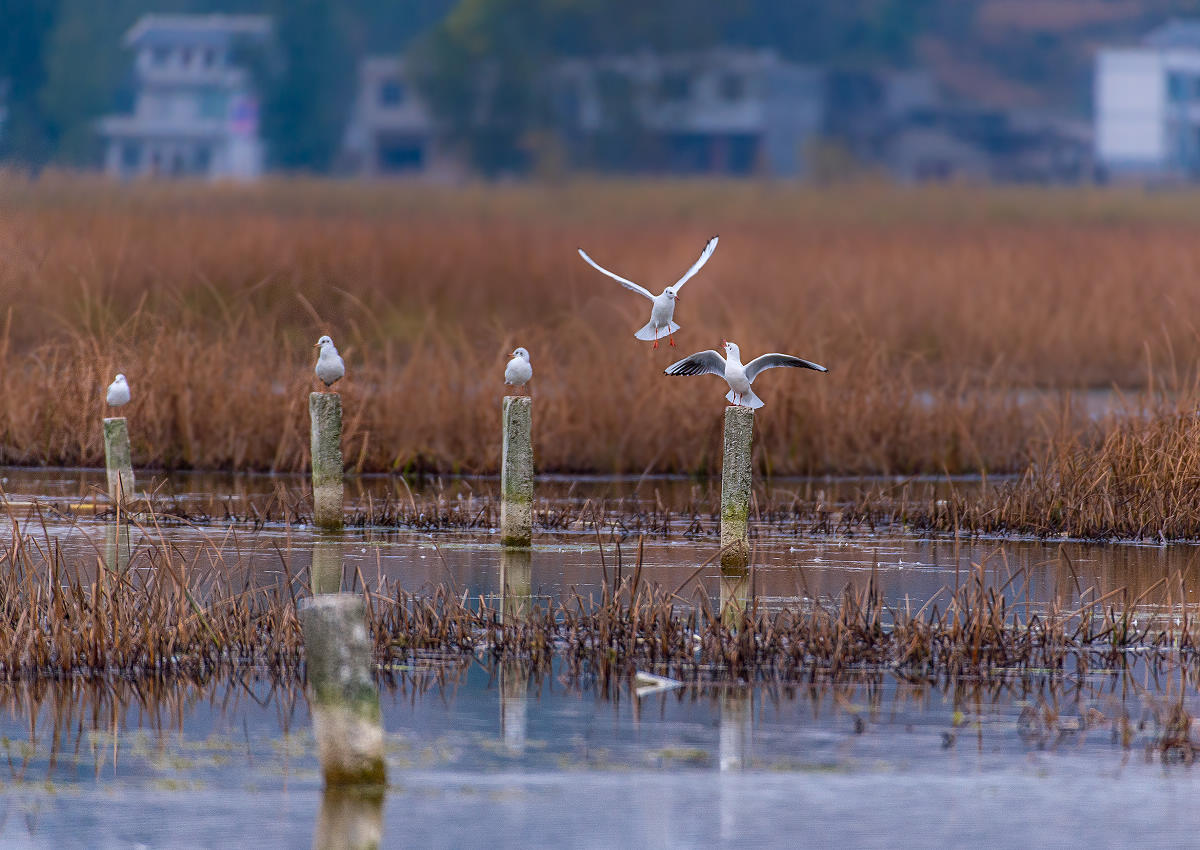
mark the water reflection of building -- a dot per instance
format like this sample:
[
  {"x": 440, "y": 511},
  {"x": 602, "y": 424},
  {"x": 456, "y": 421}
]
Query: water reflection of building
[
  {"x": 195, "y": 112},
  {"x": 1147, "y": 99}
]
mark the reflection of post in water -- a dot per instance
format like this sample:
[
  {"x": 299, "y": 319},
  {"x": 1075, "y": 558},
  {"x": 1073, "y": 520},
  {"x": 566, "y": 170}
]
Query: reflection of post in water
[
  {"x": 116, "y": 546},
  {"x": 342, "y": 692},
  {"x": 351, "y": 818},
  {"x": 516, "y": 583},
  {"x": 735, "y": 596},
  {"x": 516, "y": 594},
  {"x": 737, "y": 715},
  {"x": 325, "y": 573}
]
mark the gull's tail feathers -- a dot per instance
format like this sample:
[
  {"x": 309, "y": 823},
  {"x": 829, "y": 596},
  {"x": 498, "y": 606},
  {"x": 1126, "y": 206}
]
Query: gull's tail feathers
[
  {"x": 649, "y": 334},
  {"x": 748, "y": 399}
]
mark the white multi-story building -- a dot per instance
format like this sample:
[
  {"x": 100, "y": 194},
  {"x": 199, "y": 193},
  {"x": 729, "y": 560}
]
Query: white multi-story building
[
  {"x": 1147, "y": 104},
  {"x": 195, "y": 112}
]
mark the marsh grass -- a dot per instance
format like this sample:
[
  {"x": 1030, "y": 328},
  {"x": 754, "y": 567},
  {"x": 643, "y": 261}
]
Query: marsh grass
[{"x": 935, "y": 309}]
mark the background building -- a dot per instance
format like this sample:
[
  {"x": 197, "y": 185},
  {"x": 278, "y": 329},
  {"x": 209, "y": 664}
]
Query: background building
[
  {"x": 1147, "y": 113},
  {"x": 195, "y": 112}
]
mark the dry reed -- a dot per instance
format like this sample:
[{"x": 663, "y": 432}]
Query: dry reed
[{"x": 935, "y": 309}]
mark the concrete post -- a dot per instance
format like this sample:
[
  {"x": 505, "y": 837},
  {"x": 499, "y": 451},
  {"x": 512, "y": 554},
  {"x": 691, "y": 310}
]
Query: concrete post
[
  {"x": 325, "y": 412},
  {"x": 350, "y": 819},
  {"x": 118, "y": 459},
  {"x": 516, "y": 472},
  {"x": 736, "y": 479},
  {"x": 325, "y": 571},
  {"x": 736, "y": 728},
  {"x": 345, "y": 703},
  {"x": 116, "y": 546}
]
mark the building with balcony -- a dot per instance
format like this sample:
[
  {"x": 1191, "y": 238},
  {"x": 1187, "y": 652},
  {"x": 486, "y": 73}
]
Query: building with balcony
[
  {"x": 1147, "y": 104},
  {"x": 195, "y": 112},
  {"x": 391, "y": 130}
]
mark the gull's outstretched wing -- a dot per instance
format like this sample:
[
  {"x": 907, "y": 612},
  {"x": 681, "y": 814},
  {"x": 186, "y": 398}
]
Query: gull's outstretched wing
[
  {"x": 700, "y": 363},
  {"x": 770, "y": 361},
  {"x": 709, "y": 247},
  {"x": 628, "y": 284}
]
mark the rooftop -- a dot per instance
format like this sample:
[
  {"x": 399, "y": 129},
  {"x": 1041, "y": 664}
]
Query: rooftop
[
  {"x": 1177, "y": 32},
  {"x": 175, "y": 28}
]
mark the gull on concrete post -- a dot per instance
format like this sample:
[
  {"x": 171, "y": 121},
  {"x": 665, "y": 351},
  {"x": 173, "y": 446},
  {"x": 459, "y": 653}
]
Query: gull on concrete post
[
  {"x": 518, "y": 371},
  {"x": 662, "y": 314},
  {"x": 738, "y": 376},
  {"x": 118, "y": 392},
  {"x": 330, "y": 367}
]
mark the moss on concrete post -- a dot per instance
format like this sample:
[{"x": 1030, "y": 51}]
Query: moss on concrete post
[
  {"x": 736, "y": 479},
  {"x": 325, "y": 411},
  {"x": 516, "y": 472},
  {"x": 345, "y": 703},
  {"x": 118, "y": 459}
]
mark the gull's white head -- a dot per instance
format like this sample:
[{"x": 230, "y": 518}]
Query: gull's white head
[
  {"x": 522, "y": 353},
  {"x": 672, "y": 293},
  {"x": 322, "y": 342},
  {"x": 731, "y": 349},
  {"x": 120, "y": 379}
]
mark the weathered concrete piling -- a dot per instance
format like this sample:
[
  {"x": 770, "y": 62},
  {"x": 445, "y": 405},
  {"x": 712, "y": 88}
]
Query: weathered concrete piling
[
  {"x": 735, "y": 596},
  {"x": 118, "y": 460},
  {"x": 345, "y": 703},
  {"x": 117, "y": 547},
  {"x": 325, "y": 412},
  {"x": 516, "y": 472},
  {"x": 736, "y": 479}
]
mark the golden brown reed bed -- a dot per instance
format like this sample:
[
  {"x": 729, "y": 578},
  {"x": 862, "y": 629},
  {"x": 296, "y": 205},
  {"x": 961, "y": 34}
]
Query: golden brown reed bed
[{"x": 931, "y": 307}]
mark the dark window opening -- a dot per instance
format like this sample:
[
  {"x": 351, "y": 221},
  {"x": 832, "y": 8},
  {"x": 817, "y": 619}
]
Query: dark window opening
[{"x": 391, "y": 92}]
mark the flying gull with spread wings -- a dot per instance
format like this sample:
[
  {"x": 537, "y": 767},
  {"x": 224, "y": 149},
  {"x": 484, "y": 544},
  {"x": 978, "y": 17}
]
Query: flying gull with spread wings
[{"x": 662, "y": 314}]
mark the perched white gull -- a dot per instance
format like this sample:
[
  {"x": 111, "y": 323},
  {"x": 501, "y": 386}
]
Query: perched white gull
[
  {"x": 662, "y": 314},
  {"x": 118, "y": 392},
  {"x": 738, "y": 376},
  {"x": 330, "y": 367},
  {"x": 518, "y": 371}
]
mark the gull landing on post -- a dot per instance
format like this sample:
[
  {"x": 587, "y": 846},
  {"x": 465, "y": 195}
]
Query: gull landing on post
[
  {"x": 518, "y": 371},
  {"x": 330, "y": 366},
  {"x": 738, "y": 376},
  {"x": 662, "y": 314}
]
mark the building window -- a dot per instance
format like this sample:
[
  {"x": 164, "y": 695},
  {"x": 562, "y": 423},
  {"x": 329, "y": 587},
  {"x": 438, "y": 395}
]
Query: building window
[
  {"x": 131, "y": 156},
  {"x": 160, "y": 56},
  {"x": 391, "y": 92},
  {"x": 185, "y": 57},
  {"x": 212, "y": 104},
  {"x": 209, "y": 57},
  {"x": 732, "y": 87},
  {"x": 203, "y": 159},
  {"x": 675, "y": 86}
]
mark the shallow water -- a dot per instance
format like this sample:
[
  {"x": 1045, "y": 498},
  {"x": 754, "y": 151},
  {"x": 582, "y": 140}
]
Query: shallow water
[
  {"x": 476, "y": 758},
  {"x": 509, "y": 762}
]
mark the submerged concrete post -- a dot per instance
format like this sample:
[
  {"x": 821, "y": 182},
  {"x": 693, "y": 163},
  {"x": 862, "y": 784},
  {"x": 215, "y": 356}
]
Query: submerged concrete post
[
  {"x": 736, "y": 479},
  {"x": 116, "y": 546},
  {"x": 516, "y": 472},
  {"x": 345, "y": 703},
  {"x": 516, "y": 584},
  {"x": 325, "y": 412},
  {"x": 350, "y": 819},
  {"x": 735, "y": 595},
  {"x": 118, "y": 460}
]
